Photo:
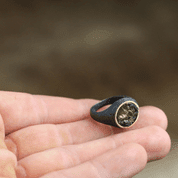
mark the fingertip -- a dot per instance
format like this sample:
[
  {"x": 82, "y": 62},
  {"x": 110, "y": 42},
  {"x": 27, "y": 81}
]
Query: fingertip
[
  {"x": 160, "y": 144},
  {"x": 161, "y": 117},
  {"x": 124, "y": 161},
  {"x": 137, "y": 151},
  {"x": 155, "y": 114},
  {"x": 167, "y": 144},
  {"x": 137, "y": 159}
]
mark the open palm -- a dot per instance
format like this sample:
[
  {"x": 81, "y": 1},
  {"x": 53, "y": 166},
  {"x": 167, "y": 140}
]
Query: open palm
[{"x": 56, "y": 137}]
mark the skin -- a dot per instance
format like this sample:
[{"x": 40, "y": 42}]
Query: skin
[{"x": 52, "y": 137}]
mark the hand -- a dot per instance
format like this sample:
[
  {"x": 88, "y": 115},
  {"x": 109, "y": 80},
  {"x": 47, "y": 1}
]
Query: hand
[{"x": 52, "y": 137}]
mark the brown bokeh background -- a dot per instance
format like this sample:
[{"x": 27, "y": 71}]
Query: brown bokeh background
[{"x": 95, "y": 49}]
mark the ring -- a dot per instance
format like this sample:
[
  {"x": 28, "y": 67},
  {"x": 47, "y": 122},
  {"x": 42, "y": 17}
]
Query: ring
[{"x": 123, "y": 112}]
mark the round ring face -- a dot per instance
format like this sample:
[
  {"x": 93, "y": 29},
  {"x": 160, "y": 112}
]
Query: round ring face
[{"x": 127, "y": 114}]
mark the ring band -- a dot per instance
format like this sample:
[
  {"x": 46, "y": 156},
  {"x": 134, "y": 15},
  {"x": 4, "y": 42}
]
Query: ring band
[{"x": 123, "y": 112}]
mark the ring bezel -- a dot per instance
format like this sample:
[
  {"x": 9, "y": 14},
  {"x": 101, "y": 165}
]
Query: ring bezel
[{"x": 126, "y": 102}]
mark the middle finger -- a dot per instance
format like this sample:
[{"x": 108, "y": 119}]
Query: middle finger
[{"x": 154, "y": 139}]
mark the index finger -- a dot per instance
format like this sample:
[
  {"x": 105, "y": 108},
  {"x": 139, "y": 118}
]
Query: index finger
[{"x": 21, "y": 110}]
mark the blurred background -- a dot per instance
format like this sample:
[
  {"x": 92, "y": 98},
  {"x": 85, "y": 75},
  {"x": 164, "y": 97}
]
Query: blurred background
[{"x": 95, "y": 49}]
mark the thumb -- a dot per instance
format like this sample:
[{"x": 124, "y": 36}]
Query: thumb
[{"x": 8, "y": 160}]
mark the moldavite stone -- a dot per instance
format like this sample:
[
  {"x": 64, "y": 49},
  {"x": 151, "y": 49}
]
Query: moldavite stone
[{"x": 127, "y": 114}]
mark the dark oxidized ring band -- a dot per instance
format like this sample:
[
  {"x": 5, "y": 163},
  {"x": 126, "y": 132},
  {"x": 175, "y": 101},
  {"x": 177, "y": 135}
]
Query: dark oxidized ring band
[{"x": 123, "y": 112}]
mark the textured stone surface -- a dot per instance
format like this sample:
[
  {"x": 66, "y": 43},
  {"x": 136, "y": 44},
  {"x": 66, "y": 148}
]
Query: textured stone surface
[{"x": 127, "y": 114}]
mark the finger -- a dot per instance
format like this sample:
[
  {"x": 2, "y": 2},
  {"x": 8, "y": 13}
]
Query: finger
[
  {"x": 33, "y": 139},
  {"x": 21, "y": 110},
  {"x": 154, "y": 139},
  {"x": 8, "y": 160},
  {"x": 125, "y": 162},
  {"x": 42, "y": 137}
]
